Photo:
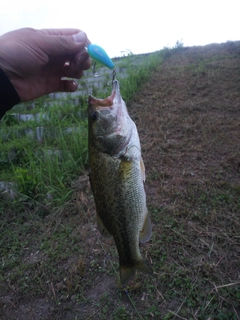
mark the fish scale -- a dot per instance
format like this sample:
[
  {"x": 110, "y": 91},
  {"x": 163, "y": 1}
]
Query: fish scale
[
  {"x": 114, "y": 198},
  {"x": 117, "y": 177}
]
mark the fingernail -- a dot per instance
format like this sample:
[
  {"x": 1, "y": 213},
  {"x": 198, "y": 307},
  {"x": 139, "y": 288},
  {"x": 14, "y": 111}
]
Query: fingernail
[
  {"x": 80, "y": 37},
  {"x": 74, "y": 85}
]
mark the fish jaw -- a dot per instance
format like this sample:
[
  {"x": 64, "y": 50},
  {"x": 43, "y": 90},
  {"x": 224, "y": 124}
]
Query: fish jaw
[{"x": 110, "y": 101}]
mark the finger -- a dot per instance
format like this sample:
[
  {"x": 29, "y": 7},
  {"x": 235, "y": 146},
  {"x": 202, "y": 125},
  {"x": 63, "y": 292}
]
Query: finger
[
  {"x": 71, "y": 72},
  {"x": 81, "y": 56},
  {"x": 62, "y": 32},
  {"x": 86, "y": 64},
  {"x": 67, "y": 86},
  {"x": 82, "y": 60},
  {"x": 75, "y": 70},
  {"x": 55, "y": 45}
]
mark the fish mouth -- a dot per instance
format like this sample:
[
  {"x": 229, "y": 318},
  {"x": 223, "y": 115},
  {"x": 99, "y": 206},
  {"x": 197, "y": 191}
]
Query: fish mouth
[
  {"x": 109, "y": 101},
  {"x": 115, "y": 86},
  {"x": 116, "y": 95}
]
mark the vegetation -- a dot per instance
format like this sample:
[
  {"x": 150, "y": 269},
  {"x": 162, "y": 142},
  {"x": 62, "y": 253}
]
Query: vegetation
[
  {"x": 53, "y": 262},
  {"x": 49, "y": 165}
]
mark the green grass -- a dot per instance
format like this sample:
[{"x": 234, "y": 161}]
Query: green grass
[
  {"x": 51, "y": 251},
  {"x": 40, "y": 169},
  {"x": 48, "y": 221},
  {"x": 138, "y": 75}
]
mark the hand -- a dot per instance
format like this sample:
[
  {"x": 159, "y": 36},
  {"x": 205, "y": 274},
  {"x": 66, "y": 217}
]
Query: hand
[{"x": 35, "y": 61}]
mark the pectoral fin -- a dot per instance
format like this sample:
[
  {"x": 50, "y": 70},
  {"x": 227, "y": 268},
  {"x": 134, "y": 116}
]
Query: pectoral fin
[
  {"x": 104, "y": 232},
  {"x": 146, "y": 232},
  {"x": 124, "y": 170}
]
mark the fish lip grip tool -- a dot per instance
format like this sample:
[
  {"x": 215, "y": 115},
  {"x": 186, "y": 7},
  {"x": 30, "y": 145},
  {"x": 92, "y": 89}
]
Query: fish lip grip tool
[{"x": 98, "y": 54}]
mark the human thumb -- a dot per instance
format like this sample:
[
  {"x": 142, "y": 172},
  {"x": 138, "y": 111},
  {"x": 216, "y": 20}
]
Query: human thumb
[
  {"x": 80, "y": 37},
  {"x": 64, "y": 44}
]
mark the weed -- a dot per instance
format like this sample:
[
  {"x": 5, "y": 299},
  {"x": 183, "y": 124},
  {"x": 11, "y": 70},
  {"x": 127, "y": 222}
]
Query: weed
[
  {"x": 51, "y": 252},
  {"x": 121, "y": 313},
  {"x": 26, "y": 182}
]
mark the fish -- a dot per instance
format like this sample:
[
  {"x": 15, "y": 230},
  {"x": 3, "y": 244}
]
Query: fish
[{"x": 117, "y": 176}]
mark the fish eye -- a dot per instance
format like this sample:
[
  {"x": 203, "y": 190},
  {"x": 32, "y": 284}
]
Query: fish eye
[{"x": 94, "y": 115}]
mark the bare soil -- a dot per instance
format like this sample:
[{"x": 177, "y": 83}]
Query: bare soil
[{"x": 188, "y": 118}]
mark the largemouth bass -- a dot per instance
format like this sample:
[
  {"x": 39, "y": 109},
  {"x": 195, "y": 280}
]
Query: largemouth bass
[{"x": 117, "y": 176}]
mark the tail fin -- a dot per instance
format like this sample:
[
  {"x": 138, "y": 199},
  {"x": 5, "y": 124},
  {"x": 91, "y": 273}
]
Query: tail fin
[{"x": 127, "y": 272}]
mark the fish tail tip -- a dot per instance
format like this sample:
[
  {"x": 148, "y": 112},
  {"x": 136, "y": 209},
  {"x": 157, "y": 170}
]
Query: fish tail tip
[
  {"x": 145, "y": 268},
  {"x": 126, "y": 273}
]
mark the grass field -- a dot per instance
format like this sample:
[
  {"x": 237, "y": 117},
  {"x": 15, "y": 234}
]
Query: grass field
[{"x": 55, "y": 264}]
